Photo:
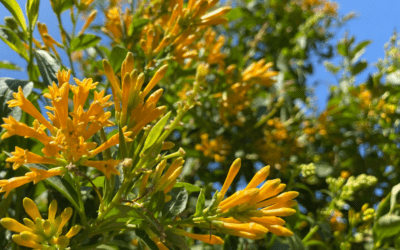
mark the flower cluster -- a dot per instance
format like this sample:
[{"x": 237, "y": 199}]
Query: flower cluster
[
  {"x": 216, "y": 148},
  {"x": 66, "y": 137},
  {"x": 39, "y": 233}
]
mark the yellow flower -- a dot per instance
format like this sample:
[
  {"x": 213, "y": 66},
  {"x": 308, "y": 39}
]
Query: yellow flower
[
  {"x": 207, "y": 238},
  {"x": 216, "y": 148},
  {"x": 108, "y": 167},
  {"x": 21, "y": 157},
  {"x": 253, "y": 212},
  {"x": 259, "y": 72},
  {"x": 169, "y": 176},
  {"x": 47, "y": 39},
  {"x": 35, "y": 175},
  {"x": 88, "y": 21},
  {"x": 130, "y": 105},
  {"x": 39, "y": 233},
  {"x": 69, "y": 140}
]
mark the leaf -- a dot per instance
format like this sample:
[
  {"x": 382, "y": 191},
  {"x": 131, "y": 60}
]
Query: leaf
[
  {"x": 342, "y": 49},
  {"x": 155, "y": 132},
  {"x": 137, "y": 23},
  {"x": 84, "y": 41},
  {"x": 13, "y": 7},
  {"x": 393, "y": 197},
  {"x": 201, "y": 203},
  {"x": 177, "y": 240},
  {"x": 295, "y": 242},
  {"x": 178, "y": 202},
  {"x": 13, "y": 41},
  {"x": 149, "y": 243},
  {"x": 189, "y": 187},
  {"x": 9, "y": 65},
  {"x": 122, "y": 211},
  {"x": 48, "y": 66},
  {"x": 9, "y": 86},
  {"x": 393, "y": 78},
  {"x": 123, "y": 150},
  {"x": 116, "y": 57},
  {"x": 156, "y": 202},
  {"x": 387, "y": 226},
  {"x": 360, "y": 66},
  {"x": 360, "y": 48},
  {"x": 234, "y": 14},
  {"x": 331, "y": 68},
  {"x": 32, "y": 11}
]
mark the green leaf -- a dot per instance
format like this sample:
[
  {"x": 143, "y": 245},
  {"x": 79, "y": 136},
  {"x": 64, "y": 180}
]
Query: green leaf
[
  {"x": 98, "y": 182},
  {"x": 189, "y": 187},
  {"x": 13, "y": 41},
  {"x": 123, "y": 150},
  {"x": 178, "y": 202},
  {"x": 122, "y": 211},
  {"x": 393, "y": 197},
  {"x": 146, "y": 239},
  {"x": 295, "y": 242},
  {"x": 9, "y": 65},
  {"x": 342, "y": 49},
  {"x": 136, "y": 24},
  {"x": 201, "y": 203},
  {"x": 387, "y": 226},
  {"x": 32, "y": 11},
  {"x": 360, "y": 66},
  {"x": 9, "y": 86},
  {"x": 360, "y": 48},
  {"x": 156, "y": 202},
  {"x": 331, "y": 68},
  {"x": 234, "y": 14},
  {"x": 177, "y": 240},
  {"x": 48, "y": 66},
  {"x": 116, "y": 57},
  {"x": 5, "y": 204},
  {"x": 84, "y": 41},
  {"x": 155, "y": 132},
  {"x": 13, "y": 7}
]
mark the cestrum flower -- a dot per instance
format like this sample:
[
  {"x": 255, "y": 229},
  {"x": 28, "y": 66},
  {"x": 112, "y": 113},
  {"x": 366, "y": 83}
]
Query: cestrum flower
[
  {"x": 39, "y": 233},
  {"x": 66, "y": 136},
  {"x": 253, "y": 212}
]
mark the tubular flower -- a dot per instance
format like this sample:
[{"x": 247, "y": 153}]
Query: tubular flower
[
  {"x": 210, "y": 239},
  {"x": 213, "y": 53},
  {"x": 39, "y": 233},
  {"x": 68, "y": 139},
  {"x": 253, "y": 212},
  {"x": 216, "y": 148},
  {"x": 259, "y": 72},
  {"x": 47, "y": 39},
  {"x": 130, "y": 105},
  {"x": 34, "y": 176},
  {"x": 165, "y": 182}
]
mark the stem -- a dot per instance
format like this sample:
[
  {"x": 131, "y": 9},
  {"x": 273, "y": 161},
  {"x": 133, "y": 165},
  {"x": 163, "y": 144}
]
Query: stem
[
  {"x": 81, "y": 205},
  {"x": 30, "y": 63},
  {"x": 310, "y": 234},
  {"x": 270, "y": 114}
]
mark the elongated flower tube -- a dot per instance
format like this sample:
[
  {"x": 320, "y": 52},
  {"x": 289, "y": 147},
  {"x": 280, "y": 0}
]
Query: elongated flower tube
[
  {"x": 39, "y": 233},
  {"x": 130, "y": 105},
  {"x": 65, "y": 135},
  {"x": 210, "y": 239},
  {"x": 252, "y": 212}
]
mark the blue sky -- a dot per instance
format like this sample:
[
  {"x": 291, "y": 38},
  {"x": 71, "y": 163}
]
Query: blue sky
[{"x": 376, "y": 21}]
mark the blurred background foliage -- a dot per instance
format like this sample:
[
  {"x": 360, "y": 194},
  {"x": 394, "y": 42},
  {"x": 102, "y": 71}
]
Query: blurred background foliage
[{"x": 256, "y": 105}]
